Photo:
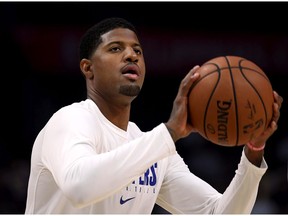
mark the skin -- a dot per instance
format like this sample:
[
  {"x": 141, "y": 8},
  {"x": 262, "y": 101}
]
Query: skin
[
  {"x": 255, "y": 157},
  {"x": 105, "y": 80},
  {"x": 112, "y": 87}
]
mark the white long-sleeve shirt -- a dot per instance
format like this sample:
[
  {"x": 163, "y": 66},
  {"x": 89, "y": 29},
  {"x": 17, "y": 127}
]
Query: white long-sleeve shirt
[{"x": 82, "y": 163}]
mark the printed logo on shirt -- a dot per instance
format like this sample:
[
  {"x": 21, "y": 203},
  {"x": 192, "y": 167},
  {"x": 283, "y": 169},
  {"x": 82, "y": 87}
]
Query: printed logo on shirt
[
  {"x": 149, "y": 177},
  {"x": 145, "y": 183},
  {"x": 123, "y": 201}
]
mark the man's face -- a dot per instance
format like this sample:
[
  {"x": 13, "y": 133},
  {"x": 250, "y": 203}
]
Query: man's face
[{"x": 118, "y": 65}]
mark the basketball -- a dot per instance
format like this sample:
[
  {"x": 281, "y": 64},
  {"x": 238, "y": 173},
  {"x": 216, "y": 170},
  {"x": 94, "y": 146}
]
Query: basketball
[{"x": 231, "y": 102}]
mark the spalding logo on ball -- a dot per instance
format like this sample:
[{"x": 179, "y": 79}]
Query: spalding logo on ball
[{"x": 231, "y": 102}]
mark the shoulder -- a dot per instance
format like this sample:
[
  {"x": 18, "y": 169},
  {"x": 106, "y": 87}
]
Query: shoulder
[
  {"x": 76, "y": 118},
  {"x": 77, "y": 108},
  {"x": 76, "y": 112}
]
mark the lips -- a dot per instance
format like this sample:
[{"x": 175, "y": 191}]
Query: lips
[{"x": 131, "y": 71}]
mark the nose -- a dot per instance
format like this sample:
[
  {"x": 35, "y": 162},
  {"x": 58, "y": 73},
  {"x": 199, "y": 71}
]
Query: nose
[{"x": 131, "y": 55}]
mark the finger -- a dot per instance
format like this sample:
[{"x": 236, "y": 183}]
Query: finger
[
  {"x": 276, "y": 112},
  {"x": 273, "y": 127},
  {"x": 278, "y": 99},
  {"x": 188, "y": 80},
  {"x": 270, "y": 130}
]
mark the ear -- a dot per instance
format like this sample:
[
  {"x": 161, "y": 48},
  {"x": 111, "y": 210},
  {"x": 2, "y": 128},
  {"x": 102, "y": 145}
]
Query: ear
[{"x": 85, "y": 66}]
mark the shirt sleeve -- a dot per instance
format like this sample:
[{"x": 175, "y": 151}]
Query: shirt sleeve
[
  {"x": 84, "y": 175},
  {"x": 240, "y": 196},
  {"x": 184, "y": 193}
]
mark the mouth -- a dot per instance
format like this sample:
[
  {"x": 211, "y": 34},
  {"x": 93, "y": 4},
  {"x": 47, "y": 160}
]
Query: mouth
[{"x": 131, "y": 71}]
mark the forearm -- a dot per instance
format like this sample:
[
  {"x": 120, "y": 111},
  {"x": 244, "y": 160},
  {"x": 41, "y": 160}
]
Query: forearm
[
  {"x": 254, "y": 152},
  {"x": 78, "y": 179},
  {"x": 255, "y": 157},
  {"x": 240, "y": 196}
]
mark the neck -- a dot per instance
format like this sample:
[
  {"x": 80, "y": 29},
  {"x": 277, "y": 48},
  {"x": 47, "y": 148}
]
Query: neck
[{"x": 118, "y": 114}]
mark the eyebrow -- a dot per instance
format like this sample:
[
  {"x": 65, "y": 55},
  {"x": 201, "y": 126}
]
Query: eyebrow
[{"x": 120, "y": 43}]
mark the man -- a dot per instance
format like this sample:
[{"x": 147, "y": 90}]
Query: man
[{"x": 89, "y": 158}]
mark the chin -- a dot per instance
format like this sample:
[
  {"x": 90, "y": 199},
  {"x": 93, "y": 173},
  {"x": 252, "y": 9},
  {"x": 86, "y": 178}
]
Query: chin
[{"x": 130, "y": 90}]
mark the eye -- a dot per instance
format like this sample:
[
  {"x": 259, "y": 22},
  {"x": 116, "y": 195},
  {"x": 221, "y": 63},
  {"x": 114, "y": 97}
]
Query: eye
[
  {"x": 115, "y": 49},
  {"x": 138, "y": 51}
]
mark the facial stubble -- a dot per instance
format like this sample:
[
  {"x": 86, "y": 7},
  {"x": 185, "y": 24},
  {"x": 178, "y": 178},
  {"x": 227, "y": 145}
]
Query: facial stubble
[{"x": 129, "y": 90}]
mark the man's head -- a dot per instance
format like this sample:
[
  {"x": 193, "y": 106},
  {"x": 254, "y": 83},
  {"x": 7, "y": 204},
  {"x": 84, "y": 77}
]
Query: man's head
[
  {"x": 112, "y": 61},
  {"x": 92, "y": 38}
]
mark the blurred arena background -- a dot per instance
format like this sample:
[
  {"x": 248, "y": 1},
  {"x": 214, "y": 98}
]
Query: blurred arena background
[{"x": 40, "y": 74}]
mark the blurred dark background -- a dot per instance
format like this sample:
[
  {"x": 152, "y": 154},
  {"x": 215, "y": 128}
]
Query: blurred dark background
[{"x": 40, "y": 73}]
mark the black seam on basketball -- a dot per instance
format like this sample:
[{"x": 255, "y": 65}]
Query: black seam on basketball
[
  {"x": 235, "y": 101},
  {"x": 261, "y": 74},
  {"x": 225, "y": 66},
  {"x": 257, "y": 92},
  {"x": 198, "y": 80},
  {"x": 232, "y": 67},
  {"x": 209, "y": 100}
]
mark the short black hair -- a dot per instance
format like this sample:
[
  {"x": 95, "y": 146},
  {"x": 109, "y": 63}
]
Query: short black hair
[{"x": 92, "y": 38}]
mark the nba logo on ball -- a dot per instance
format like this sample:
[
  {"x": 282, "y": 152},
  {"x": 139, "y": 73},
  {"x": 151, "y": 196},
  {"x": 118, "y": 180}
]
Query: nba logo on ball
[{"x": 231, "y": 102}]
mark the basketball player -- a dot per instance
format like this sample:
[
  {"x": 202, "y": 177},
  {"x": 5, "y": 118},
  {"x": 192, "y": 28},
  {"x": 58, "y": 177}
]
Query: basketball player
[{"x": 90, "y": 159}]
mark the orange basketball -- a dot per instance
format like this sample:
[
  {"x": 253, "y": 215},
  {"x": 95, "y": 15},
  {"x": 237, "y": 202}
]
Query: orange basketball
[{"x": 231, "y": 102}]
